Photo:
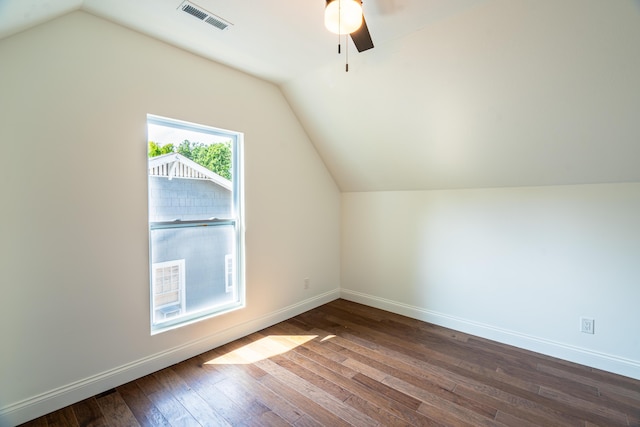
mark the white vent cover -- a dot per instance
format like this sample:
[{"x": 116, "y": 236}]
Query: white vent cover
[{"x": 204, "y": 15}]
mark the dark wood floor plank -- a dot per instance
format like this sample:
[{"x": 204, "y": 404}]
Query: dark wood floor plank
[
  {"x": 149, "y": 385},
  {"x": 317, "y": 319},
  {"x": 162, "y": 398},
  {"x": 394, "y": 362},
  {"x": 435, "y": 405},
  {"x": 204, "y": 383},
  {"x": 492, "y": 386},
  {"x": 248, "y": 388},
  {"x": 361, "y": 310},
  {"x": 242, "y": 397},
  {"x": 387, "y": 391},
  {"x": 266, "y": 397},
  {"x": 614, "y": 398},
  {"x": 345, "y": 364},
  {"x": 597, "y": 375},
  {"x": 393, "y": 348},
  {"x": 512, "y": 355},
  {"x": 411, "y": 337},
  {"x": 307, "y": 421},
  {"x": 142, "y": 408},
  {"x": 316, "y": 394},
  {"x": 306, "y": 405},
  {"x": 518, "y": 406},
  {"x": 62, "y": 418},
  {"x": 437, "y": 392},
  {"x": 311, "y": 377},
  {"x": 610, "y": 415},
  {"x": 372, "y": 402},
  {"x": 375, "y": 338},
  {"x": 266, "y": 419},
  {"x": 190, "y": 400},
  {"x": 453, "y": 419},
  {"x": 538, "y": 378},
  {"x": 450, "y": 334},
  {"x": 116, "y": 411},
  {"x": 322, "y": 343},
  {"x": 37, "y": 422},
  {"x": 88, "y": 413},
  {"x": 512, "y": 407},
  {"x": 511, "y": 420},
  {"x": 620, "y": 387},
  {"x": 524, "y": 382},
  {"x": 378, "y": 413}
]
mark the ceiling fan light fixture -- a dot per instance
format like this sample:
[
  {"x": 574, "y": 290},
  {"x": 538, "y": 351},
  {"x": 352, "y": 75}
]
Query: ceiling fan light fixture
[{"x": 343, "y": 16}]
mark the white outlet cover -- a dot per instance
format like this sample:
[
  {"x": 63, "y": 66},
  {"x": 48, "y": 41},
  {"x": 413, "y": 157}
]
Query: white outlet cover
[{"x": 587, "y": 325}]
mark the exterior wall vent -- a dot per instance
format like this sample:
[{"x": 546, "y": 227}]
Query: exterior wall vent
[{"x": 204, "y": 15}]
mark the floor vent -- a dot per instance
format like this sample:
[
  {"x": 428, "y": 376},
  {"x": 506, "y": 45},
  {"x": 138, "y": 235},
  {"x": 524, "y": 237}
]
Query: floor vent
[{"x": 204, "y": 15}]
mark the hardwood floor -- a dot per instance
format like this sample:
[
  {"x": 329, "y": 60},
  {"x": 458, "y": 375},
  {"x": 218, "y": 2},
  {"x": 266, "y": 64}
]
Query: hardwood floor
[{"x": 347, "y": 364}]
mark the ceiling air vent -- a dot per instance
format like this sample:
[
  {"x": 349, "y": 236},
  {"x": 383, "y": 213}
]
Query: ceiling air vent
[{"x": 204, "y": 15}]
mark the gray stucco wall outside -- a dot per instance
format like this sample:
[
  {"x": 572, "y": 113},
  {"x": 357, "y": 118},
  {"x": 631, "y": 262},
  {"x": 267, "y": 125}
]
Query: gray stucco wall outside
[
  {"x": 186, "y": 199},
  {"x": 202, "y": 248}
]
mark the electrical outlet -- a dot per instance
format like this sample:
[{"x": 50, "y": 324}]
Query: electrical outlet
[
  {"x": 587, "y": 325},
  {"x": 306, "y": 283}
]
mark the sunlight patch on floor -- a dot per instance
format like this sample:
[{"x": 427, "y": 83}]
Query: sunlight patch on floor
[{"x": 261, "y": 349}]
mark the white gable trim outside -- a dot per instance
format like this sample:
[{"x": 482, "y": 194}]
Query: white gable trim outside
[{"x": 174, "y": 165}]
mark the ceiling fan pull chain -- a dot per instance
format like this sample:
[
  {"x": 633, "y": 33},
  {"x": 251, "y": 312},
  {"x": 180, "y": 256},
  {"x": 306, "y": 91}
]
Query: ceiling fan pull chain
[{"x": 346, "y": 51}]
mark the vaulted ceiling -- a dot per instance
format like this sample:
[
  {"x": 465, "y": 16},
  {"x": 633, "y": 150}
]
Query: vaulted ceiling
[{"x": 455, "y": 93}]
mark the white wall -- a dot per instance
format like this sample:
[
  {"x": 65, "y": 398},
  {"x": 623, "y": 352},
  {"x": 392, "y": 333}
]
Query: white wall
[
  {"x": 520, "y": 265},
  {"x": 74, "y": 94}
]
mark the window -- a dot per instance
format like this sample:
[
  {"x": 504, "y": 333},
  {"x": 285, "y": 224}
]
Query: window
[{"x": 195, "y": 222}]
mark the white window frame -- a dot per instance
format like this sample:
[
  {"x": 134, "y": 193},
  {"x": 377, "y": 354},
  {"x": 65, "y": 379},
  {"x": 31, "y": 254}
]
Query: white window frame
[{"x": 236, "y": 220}]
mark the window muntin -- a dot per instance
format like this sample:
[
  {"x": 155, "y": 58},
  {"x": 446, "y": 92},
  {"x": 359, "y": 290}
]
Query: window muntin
[{"x": 195, "y": 217}]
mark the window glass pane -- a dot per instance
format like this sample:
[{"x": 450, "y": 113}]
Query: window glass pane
[
  {"x": 203, "y": 250},
  {"x": 194, "y": 221}
]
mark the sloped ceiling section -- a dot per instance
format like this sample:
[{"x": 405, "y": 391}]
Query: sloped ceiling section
[
  {"x": 455, "y": 94},
  {"x": 509, "y": 93}
]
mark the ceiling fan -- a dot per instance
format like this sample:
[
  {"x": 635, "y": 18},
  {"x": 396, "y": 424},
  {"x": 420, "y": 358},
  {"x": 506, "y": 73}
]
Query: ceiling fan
[{"x": 346, "y": 17}]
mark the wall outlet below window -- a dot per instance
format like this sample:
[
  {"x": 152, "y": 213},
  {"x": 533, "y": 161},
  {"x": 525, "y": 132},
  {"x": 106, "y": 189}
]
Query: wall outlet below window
[
  {"x": 306, "y": 283},
  {"x": 587, "y": 325}
]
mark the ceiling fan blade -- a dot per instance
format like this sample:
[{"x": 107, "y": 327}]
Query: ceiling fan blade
[{"x": 361, "y": 37}]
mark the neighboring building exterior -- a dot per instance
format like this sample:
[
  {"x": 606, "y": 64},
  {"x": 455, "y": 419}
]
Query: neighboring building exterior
[
  {"x": 185, "y": 279},
  {"x": 183, "y": 189}
]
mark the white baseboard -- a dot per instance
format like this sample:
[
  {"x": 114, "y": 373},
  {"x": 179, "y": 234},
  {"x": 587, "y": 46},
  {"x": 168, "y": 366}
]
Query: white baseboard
[
  {"x": 606, "y": 362},
  {"x": 36, "y": 406}
]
